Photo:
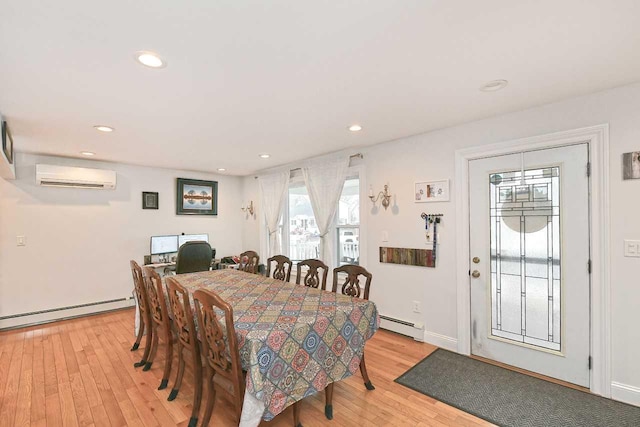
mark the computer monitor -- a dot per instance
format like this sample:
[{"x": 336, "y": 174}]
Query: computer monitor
[
  {"x": 184, "y": 238},
  {"x": 164, "y": 244}
]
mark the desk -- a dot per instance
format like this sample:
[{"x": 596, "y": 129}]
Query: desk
[
  {"x": 293, "y": 340},
  {"x": 215, "y": 264},
  {"x": 160, "y": 264}
]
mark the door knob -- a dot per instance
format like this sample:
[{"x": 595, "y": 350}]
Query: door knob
[
  {"x": 475, "y": 274},
  {"x": 476, "y": 260}
]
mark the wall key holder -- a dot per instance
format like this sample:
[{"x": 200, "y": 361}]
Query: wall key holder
[{"x": 431, "y": 222}]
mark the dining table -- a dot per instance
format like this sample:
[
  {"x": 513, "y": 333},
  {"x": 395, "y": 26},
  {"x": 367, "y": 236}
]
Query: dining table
[{"x": 293, "y": 340}]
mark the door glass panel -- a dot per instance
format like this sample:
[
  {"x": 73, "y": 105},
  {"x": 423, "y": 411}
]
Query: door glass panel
[{"x": 525, "y": 256}]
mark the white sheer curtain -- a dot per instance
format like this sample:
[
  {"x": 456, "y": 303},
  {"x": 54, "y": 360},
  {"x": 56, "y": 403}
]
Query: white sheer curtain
[
  {"x": 273, "y": 191},
  {"x": 324, "y": 181}
]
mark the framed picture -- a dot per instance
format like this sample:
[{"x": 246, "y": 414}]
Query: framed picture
[
  {"x": 631, "y": 165},
  {"x": 7, "y": 142},
  {"x": 149, "y": 200},
  {"x": 196, "y": 197},
  {"x": 431, "y": 191}
]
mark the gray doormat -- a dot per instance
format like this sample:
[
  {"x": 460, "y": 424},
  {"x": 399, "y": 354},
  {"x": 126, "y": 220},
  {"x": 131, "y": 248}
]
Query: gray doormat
[{"x": 509, "y": 398}]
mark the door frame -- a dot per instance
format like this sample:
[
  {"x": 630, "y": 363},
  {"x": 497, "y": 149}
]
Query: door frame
[{"x": 600, "y": 309}]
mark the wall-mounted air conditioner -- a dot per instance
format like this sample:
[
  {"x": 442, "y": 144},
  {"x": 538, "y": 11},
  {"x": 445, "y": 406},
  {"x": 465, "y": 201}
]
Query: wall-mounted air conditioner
[{"x": 66, "y": 176}]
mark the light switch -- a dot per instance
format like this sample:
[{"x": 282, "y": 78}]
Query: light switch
[
  {"x": 632, "y": 248},
  {"x": 385, "y": 236},
  {"x": 21, "y": 241}
]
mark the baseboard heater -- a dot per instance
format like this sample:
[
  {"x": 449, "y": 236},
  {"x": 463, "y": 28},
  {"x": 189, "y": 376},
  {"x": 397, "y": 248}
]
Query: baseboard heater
[
  {"x": 414, "y": 330},
  {"x": 44, "y": 316}
]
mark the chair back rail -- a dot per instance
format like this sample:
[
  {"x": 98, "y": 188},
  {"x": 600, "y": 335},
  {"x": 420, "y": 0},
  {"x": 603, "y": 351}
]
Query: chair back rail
[
  {"x": 183, "y": 320},
  {"x": 221, "y": 357},
  {"x": 282, "y": 269},
  {"x": 249, "y": 261},
  {"x": 351, "y": 285},
  {"x": 144, "y": 324},
  {"x": 315, "y": 275}
]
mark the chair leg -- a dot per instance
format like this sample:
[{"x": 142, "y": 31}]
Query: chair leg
[
  {"x": 179, "y": 375},
  {"x": 328, "y": 398},
  {"x": 365, "y": 376},
  {"x": 168, "y": 359},
  {"x": 296, "y": 415},
  {"x": 211, "y": 400},
  {"x": 147, "y": 348},
  {"x": 136, "y": 345},
  {"x": 197, "y": 392},
  {"x": 154, "y": 349}
]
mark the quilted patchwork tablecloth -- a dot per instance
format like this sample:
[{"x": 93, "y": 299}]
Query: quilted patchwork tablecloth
[{"x": 293, "y": 340}]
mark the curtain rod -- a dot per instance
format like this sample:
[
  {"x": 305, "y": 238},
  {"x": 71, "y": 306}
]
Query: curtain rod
[{"x": 353, "y": 156}]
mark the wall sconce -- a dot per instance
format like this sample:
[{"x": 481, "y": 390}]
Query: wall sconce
[
  {"x": 248, "y": 208},
  {"x": 386, "y": 196}
]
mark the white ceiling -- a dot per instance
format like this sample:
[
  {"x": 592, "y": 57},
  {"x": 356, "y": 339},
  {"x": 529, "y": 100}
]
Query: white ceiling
[{"x": 289, "y": 77}]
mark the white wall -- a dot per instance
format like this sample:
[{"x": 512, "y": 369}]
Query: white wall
[
  {"x": 251, "y": 223},
  {"x": 431, "y": 156},
  {"x": 79, "y": 242}
]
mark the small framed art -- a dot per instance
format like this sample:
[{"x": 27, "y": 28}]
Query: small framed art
[
  {"x": 7, "y": 142},
  {"x": 196, "y": 197},
  {"x": 631, "y": 165},
  {"x": 149, "y": 200},
  {"x": 431, "y": 191}
]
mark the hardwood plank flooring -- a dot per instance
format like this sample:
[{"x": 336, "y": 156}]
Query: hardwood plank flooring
[{"x": 80, "y": 372}]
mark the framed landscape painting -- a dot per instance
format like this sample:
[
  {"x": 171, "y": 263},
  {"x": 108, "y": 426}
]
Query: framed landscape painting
[{"x": 196, "y": 197}]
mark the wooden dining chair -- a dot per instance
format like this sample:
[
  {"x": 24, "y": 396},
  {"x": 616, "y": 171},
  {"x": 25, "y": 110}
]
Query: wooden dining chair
[
  {"x": 351, "y": 287},
  {"x": 160, "y": 323},
  {"x": 316, "y": 274},
  {"x": 249, "y": 262},
  {"x": 222, "y": 357},
  {"x": 143, "y": 311},
  {"x": 185, "y": 328},
  {"x": 282, "y": 270}
]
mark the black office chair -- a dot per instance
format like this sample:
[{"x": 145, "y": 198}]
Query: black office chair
[{"x": 194, "y": 256}]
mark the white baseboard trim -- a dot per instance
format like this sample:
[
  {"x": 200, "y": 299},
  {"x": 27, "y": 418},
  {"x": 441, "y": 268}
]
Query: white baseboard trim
[
  {"x": 441, "y": 341},
  {"x": 46, "y": 316},
  {"x": 625, "y": 393},
  {"x": 415, "y": 331}
]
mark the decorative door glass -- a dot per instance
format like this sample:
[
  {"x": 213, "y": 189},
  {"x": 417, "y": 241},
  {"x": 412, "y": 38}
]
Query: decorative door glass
[{"x": 525, "y": 257}]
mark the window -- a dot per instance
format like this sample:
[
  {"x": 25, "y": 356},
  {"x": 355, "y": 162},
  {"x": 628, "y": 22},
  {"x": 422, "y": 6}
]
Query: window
[
  {"x": 348, "y": 223},
  {"x": 300, "y": 233},
  {"x": 303, "y": 236}
]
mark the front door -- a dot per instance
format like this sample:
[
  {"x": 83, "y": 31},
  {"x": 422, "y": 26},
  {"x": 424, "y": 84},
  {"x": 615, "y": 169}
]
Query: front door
[{"x": 529, "y": 266}]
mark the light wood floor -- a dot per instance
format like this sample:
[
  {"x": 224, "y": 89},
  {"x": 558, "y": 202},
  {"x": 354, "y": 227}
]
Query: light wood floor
[{"x": 80, "y": 373}]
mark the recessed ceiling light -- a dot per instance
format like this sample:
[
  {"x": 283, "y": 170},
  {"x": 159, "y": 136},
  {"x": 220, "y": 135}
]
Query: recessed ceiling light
[
  {"x": 103, "y": 128},
  {"x": 221, "y": 169},
  {"x": 355, "y": 128},
  {"x": 494, "y": 85},
  {"x": 265, "y": 156},
  {"x": 87, "y": 153},
  {"x": 150, "y": 59}
]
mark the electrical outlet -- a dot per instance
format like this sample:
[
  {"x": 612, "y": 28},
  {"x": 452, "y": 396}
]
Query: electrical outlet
[
  {"x": 632, "y": 248},
  {"x": 21, "y": 241},
  {"x": 416, "y": 307}
]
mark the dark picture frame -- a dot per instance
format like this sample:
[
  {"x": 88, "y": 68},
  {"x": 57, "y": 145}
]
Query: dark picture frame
[
  {"x": 196, "y": 197},
  {"x": 150, "y": 200},
  {"x": 7, "y": 142}
]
